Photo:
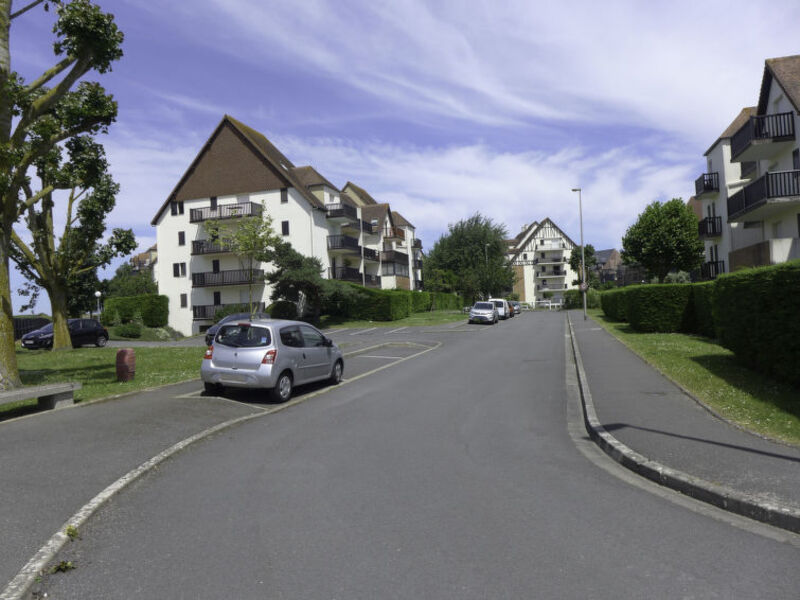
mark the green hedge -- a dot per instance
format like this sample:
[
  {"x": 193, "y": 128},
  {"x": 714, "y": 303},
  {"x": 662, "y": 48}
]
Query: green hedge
[
  {"x": 573, "y": 299},
  {"x": 757, "y": 314},
  {"x": 352, "y": 301},
  {"x": 129, "y": 330},
  {"x": 662, "y": 307},
  {"x": 702, "y": 317},
  {"x": 615, "y": 303},
  {"x": 153, "y": 308},
  {"x": 282, "y": 309}
]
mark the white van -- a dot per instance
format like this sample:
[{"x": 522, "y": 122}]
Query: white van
[{"x": 503, "y": 307}]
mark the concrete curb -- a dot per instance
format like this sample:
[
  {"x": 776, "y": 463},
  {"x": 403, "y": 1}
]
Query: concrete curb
[{"x": 731, "y": 500}]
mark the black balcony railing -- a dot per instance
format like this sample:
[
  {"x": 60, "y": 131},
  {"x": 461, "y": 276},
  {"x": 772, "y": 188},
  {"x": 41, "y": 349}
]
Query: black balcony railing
[
  {"x": 552, "y": 287},
  {"x": 370, "y": 254},
  {"x": 233, "y": 277},
  {"x": 417, "y": 264},
  {"x": 417, "y": 244},
  {"x": 345, "y": 274},
  {"x": 418, "y": 285},
  {"x": 372, "y": 280},
  {"x": 209, "y": 311},
  {"x": 225, "y": 211},
  {"x": 555, "y": 260},
  {"x": 710, "y": 270},
  {"x": 343, "y": 242},
  {"x": 763, "y": 127},
  {"x": 209, "y": 247},
  {"x": 706, "y": 183},
  {"x": 769, "y": 185},
  {"x": 710, "y": 227},
  {"x": 393, "y": 256},
  {"x": 339, "y": 210}
]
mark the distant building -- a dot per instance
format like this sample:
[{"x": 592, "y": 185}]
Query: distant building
[
  {"x": 145, "y": 260},
  {"x": 608, "y": 264}
]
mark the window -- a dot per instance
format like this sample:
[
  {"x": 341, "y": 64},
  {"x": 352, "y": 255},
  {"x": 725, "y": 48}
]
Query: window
[
  {"x": 217, "y": 298},
  {"x": 176, "y": 208},
  {"x": 285, "y": 227},
  {"x": 184, "y": 300},
  {"x": 796, "y": 159},
  {"x": 213, "y": 203},
  {"x": 291, "y": 336},
  {"x": 181, "y": 238},
  {"x": 215, "y": 266},
  {"x": 284, "y": 196},
  {"x": 183, "y": 269},
  {"x": 311, "y": 337},
  {"x": 524, "y": 256},
  {"x": 176, "y": 269}
]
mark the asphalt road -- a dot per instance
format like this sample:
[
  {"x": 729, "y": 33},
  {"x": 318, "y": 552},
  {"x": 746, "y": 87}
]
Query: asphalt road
[{"x": 451, "y": 474}]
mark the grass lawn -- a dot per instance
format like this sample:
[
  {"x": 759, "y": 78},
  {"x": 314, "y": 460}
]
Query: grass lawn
[
  {"x": 711, "y": 374},
  {"x": 95, "y": 369},
  {"x": 435, "y": 317}
]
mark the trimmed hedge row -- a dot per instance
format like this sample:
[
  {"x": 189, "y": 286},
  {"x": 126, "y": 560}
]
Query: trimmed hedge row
[
  {"x": 572, "y": 299},
  {"x": 153, "y": 308},
  {"x": 615, "y": 304},
  {"x": 757, "y": 313},
  {"x": 662, "y": 308},
  {"x": 702, "y": 316},
  {"x": 386, "y": 305}
]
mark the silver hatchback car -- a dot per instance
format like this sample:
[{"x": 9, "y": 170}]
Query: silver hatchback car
[{"x": 272, "y": 354}]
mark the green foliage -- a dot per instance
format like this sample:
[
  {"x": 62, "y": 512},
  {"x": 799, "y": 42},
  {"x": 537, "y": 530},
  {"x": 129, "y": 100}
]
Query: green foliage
[
  {"x": 129, "y": 330},
  {"x": 615, "y": 303},
  {"x": 664, "y": 308},
  {"x": 297, "y": 278},
  {"x": 115, "y": 319},
  {"x": 573, "y": 299},
  {"x": 127, "y": 282},
  {"x": 153, "y": 309},
  {"x": 469, "y": 259},
  {"x": 756, "y": 313},
  {"x": 283, "y": 309},
  {"x": 702, "y": 308},
  {"x": 352, "y": 301},
  {"x": 229, "y": 309},
  {"x": 677, "y": 277},
  {"x": 665, "y": 237},
  {"x": 591, "y": 262},
  {"x": 137, "y": 318}
]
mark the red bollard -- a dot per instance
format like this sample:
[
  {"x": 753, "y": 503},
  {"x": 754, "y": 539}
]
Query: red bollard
[{"x": 126, "y": 364}]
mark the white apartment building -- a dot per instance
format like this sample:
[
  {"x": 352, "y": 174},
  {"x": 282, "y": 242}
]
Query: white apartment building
[
  {"x": 539, "y": 256},
  {"x": 240, "y": 173},
  {"x": 750, "y": 193}
]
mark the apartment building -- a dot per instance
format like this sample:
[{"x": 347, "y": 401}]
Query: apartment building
[
  {"x": 145, "y": 260},
  {"x": 239, "y": 173},
  {"x": 539, "y": 255},
  {"x": 750, "y": 192}
]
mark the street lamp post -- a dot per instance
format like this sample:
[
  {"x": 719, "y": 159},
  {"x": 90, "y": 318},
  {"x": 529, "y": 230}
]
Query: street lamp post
[
  {"x": 486, "y": 259},
  {"x": 584, "y": 285},
  {"x": 97, "y": 295}
]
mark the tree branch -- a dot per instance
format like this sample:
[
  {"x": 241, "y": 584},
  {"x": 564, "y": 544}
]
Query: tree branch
[
  {"x": 25, "y": 250},
  {"x": 25, "y": 9},
  {"x": 49, "y": 74},
  {"x": 31, "y": 200}
]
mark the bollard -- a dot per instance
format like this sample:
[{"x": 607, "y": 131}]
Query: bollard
[{"x": 126, "y": 364}]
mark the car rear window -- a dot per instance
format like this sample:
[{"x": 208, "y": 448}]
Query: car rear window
[
  {"x": 498, "y": 303},
  {"x": 243, "y": 336},
  {"x": 484, "y": 305}
]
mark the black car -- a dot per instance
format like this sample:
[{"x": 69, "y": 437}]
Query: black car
[
  {"x": 81, "y": 332},
  {"x": 212, "y": 331}
]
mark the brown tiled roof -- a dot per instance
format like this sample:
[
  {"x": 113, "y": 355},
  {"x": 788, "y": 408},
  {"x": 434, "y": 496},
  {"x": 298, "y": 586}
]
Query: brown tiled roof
[
  {"x": 735, "y": 126},
  {"x": 786, "y": 70},
  {"x": 309, "y": 176},
  {"x": 697, "y": 206},
  {"x": 375, "y": 211},
  {"x": 400, "y": 220},
  {"x": 361, "y": 193},
  {"x": 346, "y": 199}
]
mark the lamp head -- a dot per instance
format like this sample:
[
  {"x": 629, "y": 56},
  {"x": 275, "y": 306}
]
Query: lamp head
[{"x": 576, "y": 189}]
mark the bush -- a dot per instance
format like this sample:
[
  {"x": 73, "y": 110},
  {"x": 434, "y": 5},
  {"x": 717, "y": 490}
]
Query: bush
[
  {"x": 615, "y": 303},
  {"x": 573, "y": 299},
  {"x": 702, "y": 311},
  {"x": 756, "y": 312},
  {"x": 129, "y": 330},
  {"x": 664, "y": 308},
  {"x": 283, "y": 309},
  {"x": 154, "y": 309}
]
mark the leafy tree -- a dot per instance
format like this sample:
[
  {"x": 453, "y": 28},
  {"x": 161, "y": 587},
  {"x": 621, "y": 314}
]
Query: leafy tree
[
  {"x": 297, "y": 278},
  {"x": 251, "y": 239},
  {"x": 664, "y": 238},
  {"x": 127, "y": 282},
  {"x": 473, "y": 250},
  {"x": 35, "y": 117},
  {"x": 590, "y": 261},
  {"x": 66, "y": 268}
]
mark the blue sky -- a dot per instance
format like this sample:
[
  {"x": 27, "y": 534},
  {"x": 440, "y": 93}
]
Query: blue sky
[{"x": 441, "y": 108}]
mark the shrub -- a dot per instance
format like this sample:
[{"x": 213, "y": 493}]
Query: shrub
[
  {"x": 615, "y": 303},
  {"x": 420, "y": 301},
  {"x": 129, "y": 330},
  {"x": 664, "y": 308},
  {"x": 154, "y": 309},
  {"x": 283, "y": 309},
  {"x": 573, "y": 299},
  {"x": 756, "y": 312},
  {"x": 137, "y": 318},
  {"x": 702, "y": 313}
]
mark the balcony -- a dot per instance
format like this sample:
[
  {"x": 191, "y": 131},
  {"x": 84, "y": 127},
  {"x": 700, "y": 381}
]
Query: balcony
[
  {"x": 549, "y": 260},
  {"x": 343, "y": 244},
  {"x": 553, "y": 287},
  {"x": 417, "y": 264},
  {"x": 370, "y": 254},
  {"x": 769, "y": 194},
  {"x": 225, "y": 211},
  {"x": 707, "y": 183},
  {"x": 208, "y": 312},
  {"x": 710, "y": 227},
  {"x": 550, "y": 245},
  {"x": 393, "y": 256},
  {"x": 549, "y": 274},
  {"x": 711, "y": 270},
  {"x": 417, "y": 244},
  {"x": 768, "y": 252},
  {"x": 345, "y": 274},
  {"x": 418, "y": 285},
  {"x": 209, "y": 247},
  {"x": 233, "y": 277},
  {"x": 341, "y": 213},
  {"x": 372, "y": 280},
  {"x": 394, "y": 233},
  {"x": 762, "y": 137}
]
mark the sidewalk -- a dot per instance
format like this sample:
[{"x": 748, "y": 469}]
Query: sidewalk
[{"x": 652, "y": 417}]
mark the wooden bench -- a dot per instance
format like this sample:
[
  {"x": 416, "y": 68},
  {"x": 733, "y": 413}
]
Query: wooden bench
[{"x": 51, "y": 395}]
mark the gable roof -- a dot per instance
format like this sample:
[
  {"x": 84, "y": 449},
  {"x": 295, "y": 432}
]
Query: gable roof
[
  {"x": 602, "y": 256},
  {"x": 786, "y": 70},
  {"x": 310, "y": 177},
  {"x": 533, "y": 229},
  {"x": 345, "y": 198},
  {"x": 735, "y": 126},
  {"x": 272, "y": 159},
  {"x": 521, "y": 239},
  {"x": 362, "y": 194},
  {"x": 376, "y": 211},
  {"x": 401, "y": 220}
]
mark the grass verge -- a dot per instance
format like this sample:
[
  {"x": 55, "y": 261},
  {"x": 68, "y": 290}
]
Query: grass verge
[
  {"x": 435, "y": 317},
  {"x": 711, "y": 374},
  {"x": 95, "y": 369}
]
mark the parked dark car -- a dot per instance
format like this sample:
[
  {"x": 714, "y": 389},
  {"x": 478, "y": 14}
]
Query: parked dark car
[
  {"x": 212, "y": 331},
  {"x": 81, "y": 332}
]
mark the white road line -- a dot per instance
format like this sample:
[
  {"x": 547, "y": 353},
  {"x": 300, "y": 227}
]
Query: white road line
[
  {"x": 364, "y": 331},
  {"x": 376, "y": 356},
  {"x": 395, "y": 330},
  {"x": 330, "y": 331}
]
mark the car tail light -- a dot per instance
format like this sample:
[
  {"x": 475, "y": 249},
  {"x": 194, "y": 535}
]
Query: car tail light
[
  {"x": 269, "y": 357},
  {"x": 209, "y": 353}
]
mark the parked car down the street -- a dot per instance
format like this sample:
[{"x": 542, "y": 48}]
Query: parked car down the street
[
  {"x": 212, "y": 331},
  {"x": 270, "y": 354},
  {"x": 81, "y": 332},
  {"x": 516, "y": 306},
  {"x": 483, "y": 312},
  {"x": 503, "y": 308}
]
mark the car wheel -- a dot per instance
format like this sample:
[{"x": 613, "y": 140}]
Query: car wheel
[
  {"x": 101, "y": 341},
  {"x": 336, "y": 374},
  {"x": 283, "y": 388}
]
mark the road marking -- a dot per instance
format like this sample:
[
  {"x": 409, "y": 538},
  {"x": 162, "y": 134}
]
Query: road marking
[
  {"x": 26, "y": 577},
  {"x": 395, "y": 330},
  {"x": 364, "y": 331},
  {"x": 375, "y": 356},
  {"x": 330, "y": 331}
]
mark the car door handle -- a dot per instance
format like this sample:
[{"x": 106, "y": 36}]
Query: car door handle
[{"x": 304, "y": 354}]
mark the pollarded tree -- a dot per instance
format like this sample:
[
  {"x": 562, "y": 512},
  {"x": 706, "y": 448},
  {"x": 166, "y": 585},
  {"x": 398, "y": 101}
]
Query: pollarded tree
[
  {"x": 665, "y": 237},
  {"x": 590, "y": 263},
  {"x": 37, "y": 116},
  {"x": 59, "y": 266}
]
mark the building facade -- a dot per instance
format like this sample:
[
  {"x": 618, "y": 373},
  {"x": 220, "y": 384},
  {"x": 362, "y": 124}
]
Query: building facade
[
  {"x": 240, "y": 174},
  {"x": 539, "y": 256}
]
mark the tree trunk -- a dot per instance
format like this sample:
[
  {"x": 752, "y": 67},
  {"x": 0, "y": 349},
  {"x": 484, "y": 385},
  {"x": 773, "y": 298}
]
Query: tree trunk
[
  {"x": 9, "y": 373},
  {"x": 58, "y": 305}
]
